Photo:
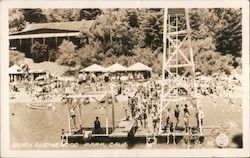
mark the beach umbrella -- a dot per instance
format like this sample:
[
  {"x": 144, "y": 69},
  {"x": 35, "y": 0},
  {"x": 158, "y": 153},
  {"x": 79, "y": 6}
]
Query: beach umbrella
[
  {"x": 116, "y": 68},
  {"x": 15, "y": 70},
  {"x": 139, "y": 67},
  {"x": 93, "y": 68}
]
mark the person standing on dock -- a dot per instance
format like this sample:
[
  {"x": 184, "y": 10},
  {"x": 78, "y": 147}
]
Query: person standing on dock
[
  {"x": 176, "y": 114},
  {"x": 186, "y": 117},
  {"x": 155, "y": 121},
  {"x": 199, "y": 115},
  {"x": 168, "y": 120},
  {"x": 73, "y": 116},
  {"x": 97, "y": 125}
]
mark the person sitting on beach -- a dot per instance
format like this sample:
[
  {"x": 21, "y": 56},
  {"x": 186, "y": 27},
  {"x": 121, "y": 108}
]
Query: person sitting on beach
[{"x": 97, "y": 125}]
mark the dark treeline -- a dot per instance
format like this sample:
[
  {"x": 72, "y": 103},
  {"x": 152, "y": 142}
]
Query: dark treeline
[{"x": 130, "y": 35}]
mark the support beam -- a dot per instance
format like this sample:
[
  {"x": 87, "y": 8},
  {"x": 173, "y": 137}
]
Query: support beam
[
  {"x": 80, "y": 115},
  {"x": 56, "y": 42},
  {"x": 69, "y": 117},
  {"x": 163, "y": 65},
  {"x": 113, "y": 107},
  {"x": 106, "y": 119}
]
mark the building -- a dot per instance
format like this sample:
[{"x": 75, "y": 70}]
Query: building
[{"x": 51, "y": 34}]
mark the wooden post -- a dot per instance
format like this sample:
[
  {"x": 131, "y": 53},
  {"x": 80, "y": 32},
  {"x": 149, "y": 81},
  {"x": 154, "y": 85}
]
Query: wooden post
[
  {"x": 113, "y": 107},
  {"x": 80, "y": 115},
  {"x": 56, "y": 42},
  {"x": 107, "y": 123},
  {"x": 69, "y": 118},
  {"x": 163, "y": 66},
  {"x": 43, "y": 40}
]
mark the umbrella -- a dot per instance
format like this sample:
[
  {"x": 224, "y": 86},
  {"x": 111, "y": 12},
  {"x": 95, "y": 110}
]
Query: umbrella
[
  {"x": 93, "y": 68},
  {"x": 15, "y": 70},
  {"x": 116, "y": 67},
  {"x": 139, "y": 67}
]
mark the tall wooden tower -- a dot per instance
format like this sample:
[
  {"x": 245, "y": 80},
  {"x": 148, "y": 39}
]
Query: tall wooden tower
[{"x": 178, "y": 69}]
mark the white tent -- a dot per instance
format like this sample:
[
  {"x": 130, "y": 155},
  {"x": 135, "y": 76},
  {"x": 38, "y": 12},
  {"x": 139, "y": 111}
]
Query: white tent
[
  {"x": 94, "y": 68},
  {"x": 139, "y": 67},
  {"x": 15, "y": 70},
  {"x": 116, "y": 67}
]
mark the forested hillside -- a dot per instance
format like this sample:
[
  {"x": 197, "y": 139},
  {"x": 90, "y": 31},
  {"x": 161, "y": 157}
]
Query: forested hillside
[{"x": 130, "y": 35}]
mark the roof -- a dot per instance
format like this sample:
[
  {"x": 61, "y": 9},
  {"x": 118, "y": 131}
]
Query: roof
[
  {"x": 69, "y": 26},
  {"x": 139, "y": 67},
  {"x": 15, "y": 69},
  {"x": 94, "y": 68},
  {"x": 116, "y": 67}
]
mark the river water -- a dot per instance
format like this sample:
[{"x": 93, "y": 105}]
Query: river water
[{"x": 41, "y": 129}]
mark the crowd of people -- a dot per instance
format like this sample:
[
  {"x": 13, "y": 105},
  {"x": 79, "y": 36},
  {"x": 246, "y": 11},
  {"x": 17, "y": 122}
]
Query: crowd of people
[
  {"x": 144, "y": 96},
  {"x": 144, "y": 107}
]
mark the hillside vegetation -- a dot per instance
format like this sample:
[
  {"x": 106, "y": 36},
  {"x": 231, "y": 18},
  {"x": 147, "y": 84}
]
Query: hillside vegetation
[{"x": 127, "y": 36}]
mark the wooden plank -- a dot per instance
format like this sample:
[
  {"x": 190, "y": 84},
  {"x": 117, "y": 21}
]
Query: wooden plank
[
  {"x": 129, "y": 126},
  {"x": 118, "y": 133}
]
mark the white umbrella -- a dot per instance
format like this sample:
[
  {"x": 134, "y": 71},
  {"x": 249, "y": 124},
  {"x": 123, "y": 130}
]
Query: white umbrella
[
  {"x": 93, "y": 68},
  {"x": 139, "y": 67},
  {"x": 116, "y": 67}
]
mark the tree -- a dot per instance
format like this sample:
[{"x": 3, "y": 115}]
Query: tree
[
  {"x": 16, "y": 20},
  {"x": 113, "y": 31},
  {"x": 229, "y": 31},
  {"x": 34, "y": 15},
  {"x": 152, "y": 26},
  {"x": 67, "y": 54},
  {"x": 90, "y": 54},
  {"x": 15, "y": 57},
  {"x": 210, "y": 62},
  {"x": 62, "y": 15},
  {"x": 52, "y": 55},
  {"x": 89, "y": 14},
  {"x": 39, "y": 52}
]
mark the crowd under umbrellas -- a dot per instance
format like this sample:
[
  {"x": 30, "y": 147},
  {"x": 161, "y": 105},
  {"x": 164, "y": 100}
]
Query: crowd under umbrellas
[{"x": 142, "y": 91}]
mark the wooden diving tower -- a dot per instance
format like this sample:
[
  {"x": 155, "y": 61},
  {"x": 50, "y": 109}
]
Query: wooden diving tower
[{"x": 178, "y": 61}]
